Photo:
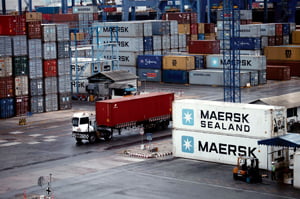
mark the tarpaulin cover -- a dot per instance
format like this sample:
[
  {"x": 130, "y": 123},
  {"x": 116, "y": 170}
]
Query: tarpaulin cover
[{"x": 287, "y": 140}]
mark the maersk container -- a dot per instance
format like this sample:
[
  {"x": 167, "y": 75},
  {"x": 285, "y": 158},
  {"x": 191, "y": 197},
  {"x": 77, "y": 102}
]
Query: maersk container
[
  {"x": 62, "y": 32},
  {"x": 36, "y": 87},
  {"x": 79, "y": 86},
  {"x": 178, "y": 62},
  {"x": 147, "y": 107},
  {"x": 35, "y": 68},
  {"x": 131, "y": 69},
  {"x": 19, "y": 45},
  {"x": 224, "y": 118},
  {"x": 148, "y": 74},
  {"x": 49, "y": 50},
  {"x": 7, "y": 87},
  {"x": 124, "y": 28},
  {"x": 64, "y": 66},
  {"x": 125, "y": 58},
  {"x": 49, "y": 32},
  {"x": 21, "y": 85},
  {"x": 51, "y": 102},
  {"x": 35, "y": 48},
  {"x": 128, "y": 44},
  {"x": 37, "y": 104},
  {"x": 7, "y": 108},
  {"x": 267, "y": 29},
  {"x": 50, "y": 85},
  {"x": 219, "y": 148},
  {"x": 215, "y": 77},
  {"x": 63, "y": 49},
  {"x": 175, "y": 76},
  {"x": 149, "y": 61},
  {"x": 64, "y": 84},
  {"x": 64, "y": 101},
  {"x": 246, "y": 62},
  {"x": 5, "y": 46},
  {"x": 5, "y": 66},
  {"x": 249, "y": 52},
  {"x": 148, "y": 43}
]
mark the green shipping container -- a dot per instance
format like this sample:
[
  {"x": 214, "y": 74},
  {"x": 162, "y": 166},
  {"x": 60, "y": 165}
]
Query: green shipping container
[{"x": 20, "y": 65}]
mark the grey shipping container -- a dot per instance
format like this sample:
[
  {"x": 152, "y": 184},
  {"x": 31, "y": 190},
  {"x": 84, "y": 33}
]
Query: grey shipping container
[
  {"x": 50, "y": 85},
  {"x": 51, "y": 102},
  {"x": 64, "y": 101},
  {"x": 35, "y": 68},
  {"x": 166, "y": 42},
  {"x": 34, "y": 48},
  {"x": 49, "y": 50},
  {"x": 19, "y": 45},
  {"x": 174, "y": 41},
  {"x": 5, "y": 46},
  {"x": 49, "y": 32},
  {"x": 254, "y": 80},
  {"x": 64, "y": 84},
  {"x": 62, "y": 32},
  {"x": 6, "y": 67},
  {"x": 151, "y": 75},
  {"x": 214, "y": 77},
  {"x": 63, "y": 49},
  {"x": 37, "y": 104},
  {"x": 262, "y": 76},
  {"x": 36, "y": 87},
  {"x": 64, "y": 66}
]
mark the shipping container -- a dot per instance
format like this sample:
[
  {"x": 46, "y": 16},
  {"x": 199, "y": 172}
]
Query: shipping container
[
  {"x": 173, "y": 27},
  {"x": 149, "y": 74},
  {"x": 51, "y": 102},
  {"x": 250, "y": 30},
  {"x": 174, "y": 41},
  {"x": 34, "y": 30},
  {"x": 64, "y": 66},
  {"x": 249, "y": 120},
  {"x": 7, "y": 87},
  {"x": 6, "y": 67},
  {"x": 215, "y": 77},
  {"x": 284, "y": 53},
  {"x": 254, "y": 77},
  {"x": 294, "y": 65},
  {"x": 19, "y": 45},
  {"x": 175, "y": 76},
  {"x": 33, "y": 16},
  {"x": 116, "y": 112},
  {"x": 22, "y": 105},
  {"x": 160, "y": 27},
  {"x": 20, "y": 65},
  {"x": 204, "y": 47},
  {"x": 125, "y": 58},
  {"x": 157, "y": 42},
  {"x": 180, "y": 17},
  {"x": 184, "y": 29},
  {"x": 295, "y": 37},
  {"x": 35, "y": 68},
  {"x": 278, "y": 72},
  {"x": 271, "y": 40},
  {"x": 37, "y": 104},
  {"x": 218, "y": 148},
  {"x": 12, "y": 25},
  {"x": 247, "y": 43},
  {"x": 5, "y": 46},
  {"x": 50, "y": 85},
  {"x": 48, "y": 10},
  {"x": 166, "y": 42},
  {"x": 128, "y": 44},
  {"x": 7, "y": 108},
  {"x": 64, "y": 101},
  {"x": 148, "y": 43},
  {"x": 267, "y": 29},
  {"x": 36, "y": 87},
  {"x": 49, "y": 32},
  {"x": 262, "y": 76},
  {"x": 278, "y": 29},
  {"x": 250, "y": 52},
  {"x": 64, "y": 84},
  {"x": 178, "y": 62},
  {"x": 62, "y": 32},
  {"x": 246, "y": 62},
  {"x": 182, "y": 41},
  {"x": 79, "y": 86},
  {"x": 131, "y": 69},
  {"x": 49, "y": 50},
  {"x": 124, "y": 28},
  {"x": 228, "y": 17},
  {"x": 278, "y": 40},
  {"x": 50, "y": 68},
  {"x": 63, "y": 49},
  {"x": 85, "y": 9},
  {"x": 21, "y": 85},
  {"x": 149, "y": 61},
  {"x": 35, "y": 48}
]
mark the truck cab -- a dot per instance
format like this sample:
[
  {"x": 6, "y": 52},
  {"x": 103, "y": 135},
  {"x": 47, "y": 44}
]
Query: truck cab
[{"x": 83, "y": 127}]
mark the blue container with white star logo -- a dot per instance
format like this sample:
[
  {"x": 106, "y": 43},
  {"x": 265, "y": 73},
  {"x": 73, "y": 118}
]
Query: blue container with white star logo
[
  {"x": 187, "y": 144},
  {"x": 188, "y": 117}
]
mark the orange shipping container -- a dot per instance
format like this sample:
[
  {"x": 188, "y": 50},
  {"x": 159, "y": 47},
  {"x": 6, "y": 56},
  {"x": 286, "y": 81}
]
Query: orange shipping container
[
  {"x": 33, "y": 16},
  {"x": 296, "y": 37},
  {"x": 177, "y": 62},
  {"x": 289, "y": 52},
  {"x": 184, "y": 29}
]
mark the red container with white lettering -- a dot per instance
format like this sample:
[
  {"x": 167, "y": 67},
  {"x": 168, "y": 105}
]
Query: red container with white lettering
[
  {"x": 204, "y": 46},
  {"x": 22, "y": 105},
  {"x": 12, "y": 25},
  {"x": 34, "y": 30},
  {"x": 50, "y": 68}
]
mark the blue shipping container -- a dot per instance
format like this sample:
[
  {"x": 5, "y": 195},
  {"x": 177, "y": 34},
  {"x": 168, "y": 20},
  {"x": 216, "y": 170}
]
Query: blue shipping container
[
  {"x": 199, "y": 61},
  {"x": 248, "y": 43},
  {"x": 149, "y": 61},
  {"x": 148, "y": 43},
  {"x": 152, "y": 75},
  {"x": 201, "y": 36},
  {"x": 48, "y": 10},
  {"x": 286, "y": 29},
  {"x": 176, "y": 76},
  {"x": 7, "y": 107}
]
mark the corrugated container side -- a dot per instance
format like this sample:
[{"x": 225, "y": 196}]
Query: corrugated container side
[
  {"x": 7, "y": 107},
  {"x": 204, "y": 47},
  {"x": 194, "y": 28},
  {"x": 148, "y": 74},
  {"x": 160, "y": 27},
  {"x": 63, "y": 49},
  {"x": 180, "y": 17},
  {"x": 49, "y": 32},
  {"x": 50, "y": 85},
  {"x": 7, "y": 87},
  {"x": 62, "y": 32},
  {"x": 184, "y": 29},
  {"x": 182, "y": 41},
  {"x": 173, "y": 27},
  {"x": 278, "y": 40},
  {"x": 5, "y": 46},
  {"x": 262, "y": 76},
  {"x": 125, "y": 58},
  {"x": 175, "y": 76},
  {"x": 49, "y": 50},
  {"x": 21, "y": 85},
  {"x": 118, "y": 111},
  {"x": 6, "y": 67},
  {"x": 51, "y": 102},
  {"x": 35, "y": 68},
  {"x": 295, "y": 37},
  {"x": 124, "y": 29},
  {"x": 50, "y": 68},
  {"x": 35, "y": 48},
  {"x": 149, "y": 61},
  {"x": 294, "y": 65},
  {"x": 173, "y": 62},
  {"x": 128, "y": 44},
  {"x": 166, "y": 42},
  {"x": 254, "y": 79},
  {"x": 248, "y": 43},
  {"x": 36, "y": 87},
  {"x": 148, "y": 43},
  {"x": 22, "y": 105},
  {"x": 250, "y": 30},
  {"x": 37, "y": 104},
  {"x": 64, "y": 101},
  {"x": 20, "y": 66},
  {"x": 64, "y": 66},
  {"x": 19, "y": 45},
  {"x": 271, "y": 40},
  {"x": 33, "y": 16},
  {"x": 34, "y": 30},
  {"x": 64, "y": 84},
  {"x": 278, "y": 72},
  {"x": 157, "y": 42},
  {"x": 12, "y": 25},
  {"x": 278, "y": 29},
  {"x": 285, "y": 40},
  {"x": 287, "y": 53}
]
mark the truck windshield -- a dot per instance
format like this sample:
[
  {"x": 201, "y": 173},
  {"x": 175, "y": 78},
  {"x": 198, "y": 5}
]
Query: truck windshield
[
  {"x": 84, "y": 120},
  {"x": 75, "y": 121}
]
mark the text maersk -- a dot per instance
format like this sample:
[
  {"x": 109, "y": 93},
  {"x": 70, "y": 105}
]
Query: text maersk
[
  {"x": 224, "y": 121},
  {"x": 115, "y": 29}
]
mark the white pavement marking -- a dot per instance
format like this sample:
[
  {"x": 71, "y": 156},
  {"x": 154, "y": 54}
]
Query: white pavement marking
[
  {"x": 35, "y": 135},
  {"x": 16, "y": 132},
  {"x": 33, "y": 143},
  {"x": 2, "y": 141},
  {"x": 10, "y": 144},
  {"x": 50, "y": 137},
  {"x": 49, "y": 140}
]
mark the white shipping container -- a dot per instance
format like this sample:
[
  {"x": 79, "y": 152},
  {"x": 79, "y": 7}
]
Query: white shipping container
[
  {"x": 49, "y": 50},
  {"x": 21, "y": 85},
  {"x": 174, "y": 41},
  {"x": 131, "y": 69},
  {"x": 147, "y": 29},
  {"x": 218, "y": 148},
  {"x": 35, "y": 68},
  {"x": 64, "y": 84},
  {"x": 50, "y": 84},
  {"x": 249, "y": 52},
  {"x": 166, "y": 42},
  {"x": 64, "y": 66},
  {"x": 125, "y": 58},
  {"x": 182, "y": 41},
  {"x": 5, "y": 66},
  {"x": 227, "y": 25},
  {"x": 19, "y": 45},
  {"x": 251, "y": 120},
  {"x": 51, "y": 102},
  {"x": 34, "y": 48},
  {"x": 124, "y": 28},
  {"x": 250, "y": 30},
  {"x": 127, "y": 44},
  {"x": 62, "y": 32},
  {"x": 157, "y": 42},
  {"x": 173, "y": 27},
  {"x": 246, "y": 14},
  {"x": 247, "y": 62},
  {"x": 78, "y": 86},
  {"x": 267, "y": 29},
  {"x": 49, "y": 32}
]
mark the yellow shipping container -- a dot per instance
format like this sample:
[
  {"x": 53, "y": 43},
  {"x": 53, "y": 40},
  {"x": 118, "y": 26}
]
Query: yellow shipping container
[
  {"x": 79, "y": 36},
  {"x": 288, "y": 52},
  {"x": 210, "y": 36},
  {"x": 178, "y": 62},
  {"x": 33, "y": 16},
  {"x": 184, "y": 29},
  {"x": 296, "y": 37},
  {"x": 194, "y": 37},
  {"x": 201, "y": 28}
]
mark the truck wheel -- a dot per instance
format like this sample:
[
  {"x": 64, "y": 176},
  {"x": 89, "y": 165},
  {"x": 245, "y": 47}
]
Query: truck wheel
[
  {"x": 78, "y": 140},
  {"x": 235, "y": 176},
  {"x": 92, "y": 138},
  {"x": 107, "y": 135}
]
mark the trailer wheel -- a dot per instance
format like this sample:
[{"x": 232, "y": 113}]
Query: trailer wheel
[
  {"x": 78, "y": 140},
  {"x": 107, "y": 135},
  {"x": 92, "y": 138}
]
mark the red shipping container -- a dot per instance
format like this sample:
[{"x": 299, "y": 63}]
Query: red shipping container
[
  {"x": 294, "y": 66},
  {"x": 204, "y": 46},
  {"x": 12, "y": 25},
  {"x": 278, "y": 72},
  {"x": 134, "y": 109},
  {"x": 194, "y": 17},
  {"x": 47, "y": 18},
  {"x": 194, "y": 29},
  {"x": 6, "y": 87},
  {"x": 278, "y": 29},
  {"x": 278, "y": 40},
  {"x": 181, "y": 17},
  {"x": 50, "y": 68},
  {"x": 58, "y": 18},
  {"x": 209, "y": 28},
  {"x": 22, "y": 105},
  {"x": 271, "y": 40},
  {"x": 34, "y": 30}
]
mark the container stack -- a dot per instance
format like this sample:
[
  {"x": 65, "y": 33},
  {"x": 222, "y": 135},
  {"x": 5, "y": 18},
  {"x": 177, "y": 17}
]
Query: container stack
[{"x": 150, "y": 67}]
